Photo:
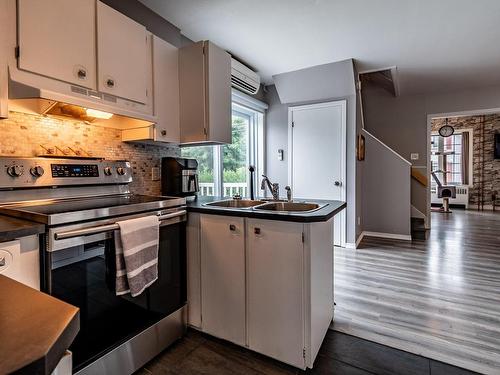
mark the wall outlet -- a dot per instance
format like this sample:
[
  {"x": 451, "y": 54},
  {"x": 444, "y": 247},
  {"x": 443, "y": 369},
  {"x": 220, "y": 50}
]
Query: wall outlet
[
  {"x": 155, "y": 174},
  {"x": 414, "y": 156}
]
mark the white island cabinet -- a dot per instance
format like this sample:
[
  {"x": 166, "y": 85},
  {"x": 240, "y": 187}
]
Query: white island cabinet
[
  {"x": 223, "y": 277},
  {"x": 263, "y": 284}
]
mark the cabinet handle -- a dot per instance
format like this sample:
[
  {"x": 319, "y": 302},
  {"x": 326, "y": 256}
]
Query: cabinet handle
[
  {"x": 163, "y": 133},
  {"x": 82, "y": 73},
  {"x": 232, "y": 227},
  {"x": 256, "y": 230},
  {"x": 2, "y": 262},
  {"x": 110, "y": 83}
]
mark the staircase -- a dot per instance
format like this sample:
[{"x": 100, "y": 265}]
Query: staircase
[{"x": 418, "y": 230}]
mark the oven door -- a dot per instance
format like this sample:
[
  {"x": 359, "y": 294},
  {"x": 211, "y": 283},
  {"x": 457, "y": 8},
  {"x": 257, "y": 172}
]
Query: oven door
[{"x": 80, "y": 269}]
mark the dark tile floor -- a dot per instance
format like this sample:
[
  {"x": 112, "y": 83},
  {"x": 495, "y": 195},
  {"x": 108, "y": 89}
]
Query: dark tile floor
[{"x": 340, "y": 354}]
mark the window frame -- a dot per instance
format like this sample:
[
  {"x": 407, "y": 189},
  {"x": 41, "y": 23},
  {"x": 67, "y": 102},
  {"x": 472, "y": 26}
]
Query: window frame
[
  {"x": 471, "y": 154},
  {"x": 246, "y": 106}
]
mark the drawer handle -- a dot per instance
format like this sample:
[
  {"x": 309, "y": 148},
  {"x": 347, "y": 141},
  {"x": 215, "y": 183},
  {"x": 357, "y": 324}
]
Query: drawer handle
[
  {"x": 2, "y": 262},
  {"x": 232, "y": 227},
  {"x": 256, "y": 230}
]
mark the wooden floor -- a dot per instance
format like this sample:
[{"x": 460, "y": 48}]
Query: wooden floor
[
  {"x": 340, "y": 354},
  {"x": 438, "y": 298}
]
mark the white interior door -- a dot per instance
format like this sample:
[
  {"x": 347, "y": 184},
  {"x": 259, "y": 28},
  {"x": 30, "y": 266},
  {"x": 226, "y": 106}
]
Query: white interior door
[{"x": 317, "y": 160}]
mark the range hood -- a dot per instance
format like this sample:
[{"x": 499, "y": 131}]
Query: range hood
[{"x": 34, "y": 94}]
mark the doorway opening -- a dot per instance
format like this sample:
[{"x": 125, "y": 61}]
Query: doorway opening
[{"x": 464, "y": 169}]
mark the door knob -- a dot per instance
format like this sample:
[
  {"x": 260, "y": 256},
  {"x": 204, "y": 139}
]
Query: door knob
[{"x": 338, "y": 183}]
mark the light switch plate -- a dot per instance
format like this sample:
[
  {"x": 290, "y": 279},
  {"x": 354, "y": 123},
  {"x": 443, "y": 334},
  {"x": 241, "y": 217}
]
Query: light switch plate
[
  {"x": 414, "y": 156},
  {"x": 155, "y": 174}
]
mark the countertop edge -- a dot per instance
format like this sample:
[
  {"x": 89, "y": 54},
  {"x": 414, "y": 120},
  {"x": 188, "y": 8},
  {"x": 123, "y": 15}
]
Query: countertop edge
[
  {"x": 13, "y": 228},
  {"x": 323, "y": 214},
  {"x": 50, "y": 344}
]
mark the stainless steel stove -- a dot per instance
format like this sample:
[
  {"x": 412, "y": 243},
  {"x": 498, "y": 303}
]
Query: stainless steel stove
[{"x": 81, "y": 201}]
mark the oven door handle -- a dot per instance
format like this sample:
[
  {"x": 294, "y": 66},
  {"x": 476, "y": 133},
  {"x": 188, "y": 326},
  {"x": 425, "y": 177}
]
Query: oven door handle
[{"x": 107, "y": 228}]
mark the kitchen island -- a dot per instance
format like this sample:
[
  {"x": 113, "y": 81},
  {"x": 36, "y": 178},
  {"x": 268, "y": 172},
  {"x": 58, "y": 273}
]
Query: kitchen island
[
  {"x": 37, "y": 329},
  {"x": 262, "y": 277}
]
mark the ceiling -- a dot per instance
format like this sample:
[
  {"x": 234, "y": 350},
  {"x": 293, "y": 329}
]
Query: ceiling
[{"x": 437, "y": 45}]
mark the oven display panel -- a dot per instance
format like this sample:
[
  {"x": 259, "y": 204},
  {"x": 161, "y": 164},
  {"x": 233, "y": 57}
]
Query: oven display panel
[{"x": 75, "y": 170}]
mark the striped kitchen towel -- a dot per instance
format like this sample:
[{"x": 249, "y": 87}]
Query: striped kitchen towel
[{"x": 136, "y": 247}]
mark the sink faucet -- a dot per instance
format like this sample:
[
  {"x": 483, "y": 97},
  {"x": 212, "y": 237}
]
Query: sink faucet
[{"x": 273, "y": 188}]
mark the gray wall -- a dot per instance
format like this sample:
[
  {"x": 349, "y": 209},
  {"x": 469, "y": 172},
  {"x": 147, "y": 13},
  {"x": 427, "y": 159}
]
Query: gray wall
[
  {"x": 276, "y": 137},
  {"x": 323, "y": 83},
  {"x": 401, "y": 122},
  {"x": 386, "y": 190},
  {"x": 316, "y": 83}
]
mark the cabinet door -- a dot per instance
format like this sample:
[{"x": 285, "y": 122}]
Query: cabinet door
[
  {"x": 122, "y": 55},
  {"x": 275, "y": 290},
  {"x": 192, "y": 80},
  {"x": 219, "y": 94},
  {"x": 57, "y": 39},
  {"x": 166, "y": 90},
  {"x": 223, "y": 277}
]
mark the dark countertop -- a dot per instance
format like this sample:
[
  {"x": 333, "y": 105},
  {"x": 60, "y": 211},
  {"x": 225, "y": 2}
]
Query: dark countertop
[
  {"x": 12, "y": 228},
  {"x": 325, "y": 213},
  {"x": 36, "y": 329}
]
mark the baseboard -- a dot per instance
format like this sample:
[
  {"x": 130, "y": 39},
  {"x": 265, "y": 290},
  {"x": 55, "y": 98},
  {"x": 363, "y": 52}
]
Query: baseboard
[
  {"x": 404, "y": 237},
  {"x": 354, "y": 245}
]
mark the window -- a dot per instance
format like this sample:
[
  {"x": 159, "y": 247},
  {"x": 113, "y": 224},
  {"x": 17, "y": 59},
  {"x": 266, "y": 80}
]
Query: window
[
  {"x": 440, "y": 145},
  {"x": 223, "y": 170}
]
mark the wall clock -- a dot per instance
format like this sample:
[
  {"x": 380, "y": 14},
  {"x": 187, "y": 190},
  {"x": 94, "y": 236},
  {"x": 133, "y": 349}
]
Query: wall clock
[{"x": 446, "y": 130}]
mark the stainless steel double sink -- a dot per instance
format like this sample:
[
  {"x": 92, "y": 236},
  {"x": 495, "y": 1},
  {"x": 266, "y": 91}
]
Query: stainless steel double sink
[{"x": 265, "y": 205}]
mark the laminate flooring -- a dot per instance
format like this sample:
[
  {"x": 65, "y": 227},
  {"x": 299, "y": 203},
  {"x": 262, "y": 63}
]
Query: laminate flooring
[
  {"x": 340, "y": 354},
  {"x": 438, "y": 298}
]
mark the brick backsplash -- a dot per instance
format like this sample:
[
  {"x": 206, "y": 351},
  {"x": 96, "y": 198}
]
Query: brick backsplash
[
  {"x": 491, "y": 166},
  {"x": 22, "y": 134}
]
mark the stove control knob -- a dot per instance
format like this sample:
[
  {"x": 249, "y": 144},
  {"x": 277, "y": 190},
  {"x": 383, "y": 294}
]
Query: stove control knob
[
  {"x": 15, "y": 171},
  {"x": 37, "y": 171},
  {"x": 107, "y": 171},
  {"x": 120, "y": 171}
]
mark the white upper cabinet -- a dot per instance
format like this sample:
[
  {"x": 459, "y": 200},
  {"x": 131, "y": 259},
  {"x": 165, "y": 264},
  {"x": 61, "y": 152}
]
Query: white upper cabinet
[
  {"x": 166, "y": 90},
  {"x": 205, "y": 93},
  {"x": 123, "y": 55},
  {"x": 57, "y": 39}
]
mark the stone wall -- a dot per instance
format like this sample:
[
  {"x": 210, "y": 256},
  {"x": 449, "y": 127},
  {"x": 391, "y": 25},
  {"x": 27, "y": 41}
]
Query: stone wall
[
  {"x": 22, "y": 134},
  {"x": 491, "y": 166}
]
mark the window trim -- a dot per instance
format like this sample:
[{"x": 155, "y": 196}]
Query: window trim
[
  {"x": 471, "y": 153},
  {"x": 253, "y": 108}
]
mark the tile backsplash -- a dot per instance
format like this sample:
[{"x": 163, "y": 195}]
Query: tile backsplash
[{"x": 22, "y": 134}]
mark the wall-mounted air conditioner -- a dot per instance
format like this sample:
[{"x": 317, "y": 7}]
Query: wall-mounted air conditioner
[{"x": 243, "y": 78}]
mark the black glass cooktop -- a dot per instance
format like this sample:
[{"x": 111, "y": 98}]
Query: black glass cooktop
[{"x": 71, "y": 210}]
